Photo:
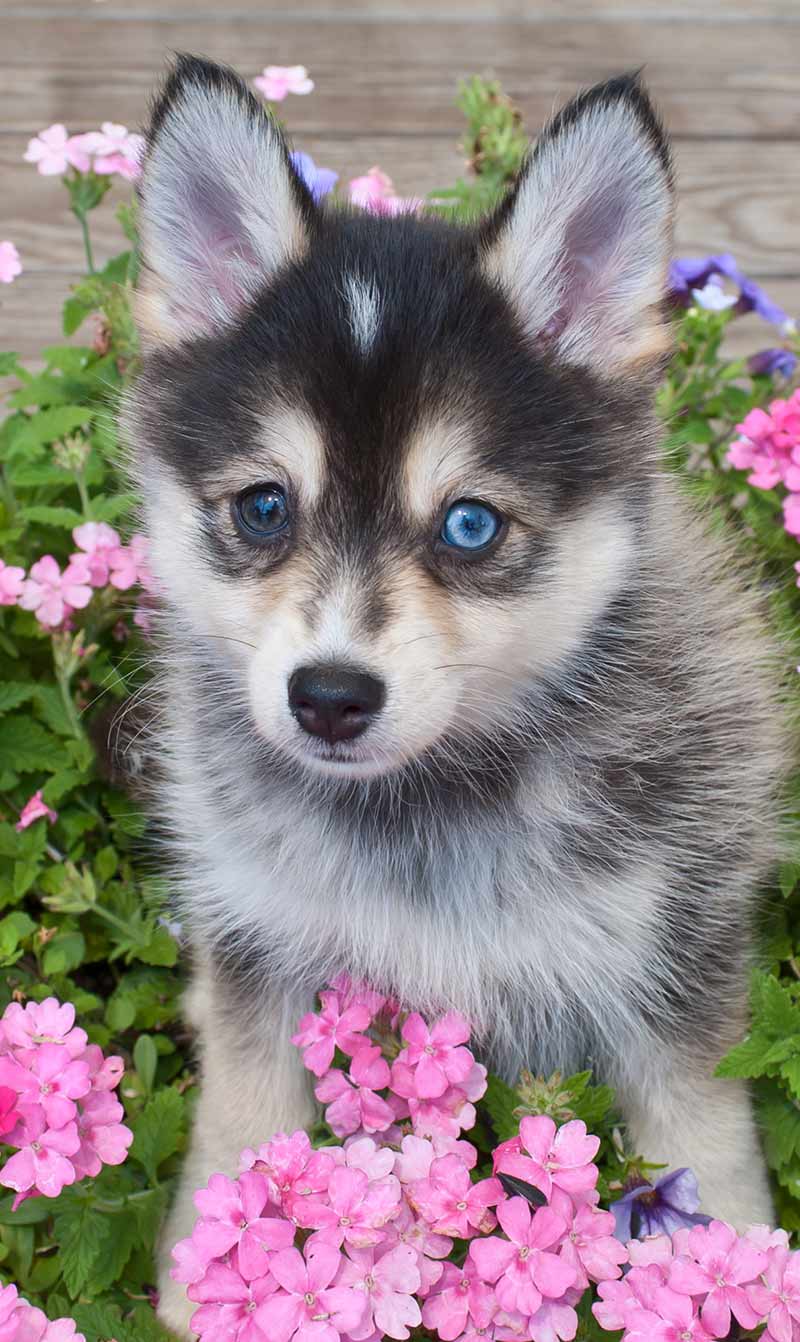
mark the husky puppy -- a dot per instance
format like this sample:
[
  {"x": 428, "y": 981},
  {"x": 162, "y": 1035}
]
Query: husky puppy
[{"x": 460, "y": 697}]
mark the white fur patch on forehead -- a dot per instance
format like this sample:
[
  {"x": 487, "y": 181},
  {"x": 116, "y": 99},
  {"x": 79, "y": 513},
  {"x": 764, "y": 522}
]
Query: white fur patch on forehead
[{"x": 363, "y": 310}]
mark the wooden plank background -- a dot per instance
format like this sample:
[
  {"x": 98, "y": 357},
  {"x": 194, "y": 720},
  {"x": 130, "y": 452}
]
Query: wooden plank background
[{"x": 726, "y": 74}]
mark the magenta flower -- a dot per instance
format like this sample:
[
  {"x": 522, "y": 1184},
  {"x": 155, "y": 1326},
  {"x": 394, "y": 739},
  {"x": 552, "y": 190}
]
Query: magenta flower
[
  {"x": 9, "y": 1117},
  {"x": 53, "y": 595},
  {"x": 354, "y": 1209},
  {"x": 106, "y": 1073},
  {"x": 47, "y": 1022},
  {"x": 98, "y": 542},
  {"x": 591, "y": 1246},
  {"x": 388, "y": 1279},
  {"x": 451, "y": 1203},
  {"x": 460, "y": 1300},
  {"x": 10, "y": 264},
  {"x": 230, "y": 1306},
  {"x": 436, "y": 1056},
  {"x": 276, "y": 81},
  {"x": 49, "y": 1078},
  {"x": 292, "y": 1168},
  {"x": 232, "y": 1214},
  {"x": 308, "y": 1307},
  {"x": 561, "y": 1157},
  {"x": 54, "y": 151},
  {"x": 35, "y": 809},
  {"x": 42, "y": 1162},
  {"x": 11, "y": 583},
  {"x": 105, "y": 1139},
  {"x": 776, "y": 1296},
  {"x": 522, "y": 1269},
  {"x": 319, "y": 1035},
  {"x": 352, "y": 1101},
  {"x": 720, "y": 1266}
]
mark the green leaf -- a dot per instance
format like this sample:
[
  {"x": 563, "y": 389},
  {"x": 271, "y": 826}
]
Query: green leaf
[
  {"x": 64, "y": 953},
  {"x": 145, "y": 1059},
  {"x": 9, "y": 364},
  {"x": 47, "y": 426},
  {"x": 106, "y": 863},
  {"x": 26, "y": 871},
  {"x": 501, "y": 1101},
  {"x": 27, "y": 747},
  {"x": 52, "y": 516},
  {"x": 745, "y": 1059},
  {"x": 158, "y": 1132},
  {"x": 13, "y": 929},
  {"x": 121, "y": 1236},
  {"x": 29, "y": 1213},
  {"x": 15, "y": 692},
  {"x": 780, "y": 1120},
  {"x": 80, "y": 1232}
]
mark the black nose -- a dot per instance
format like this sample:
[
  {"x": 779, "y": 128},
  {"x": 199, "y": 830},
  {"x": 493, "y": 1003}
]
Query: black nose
[{"x": 334, "y": 702}]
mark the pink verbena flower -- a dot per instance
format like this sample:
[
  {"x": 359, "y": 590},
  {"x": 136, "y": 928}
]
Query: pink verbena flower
[
  {"x": 48, "y": 1078},
  {"x": 309, "y": 1306},
  {"x": 53, "y": 595},
  {"x": 375, "y": 192},
  {"x": 354, "y": 1209},
  {"x": 451, "y": 1203},
  {"x": 674, "y": 1319},
  {"x": 47, "y": 1022},
  {"x": 115, "y": 149},
  {"x": 436, "y": 1056},
  {"x": 9, "y": 1115},
  {"x": 34, "y": 1326},
  {"x": 320, "y": 1034},
  {"x": 591, "y": 1246},
  {"x": 461, "y": 1298},
  {"x": 776, "y": 1296},
  {"x": 10, "y": 264},
  {"x": 230, "y": 1307},
  {"x": 129, "y": 565},
  {"x": 292, "y": 1168},
  {"x": 35, "y": 809},
  {"x": 106, "y": 1073},
  {"x": 53, "y": 151},
  {"x": 561, "y": 1157},
  {"x": 524, "y": 1269},
  {"x": 99, "y": 542},
  {"x": 362, "y": 1153},
  {"x": 352, "y": 1100},
  {"x": 276, "y": 81},
  {"x": 42, "y": 1162},
  {"x": 11, "y": 583},
  {"x": 232, "y": 1214},
  {"x": 631, "y": 1301},
  {"x": 721, "y": 1264},
  {"x": 388, "y": 1278},
  {"x": 105, "y": 1139}
]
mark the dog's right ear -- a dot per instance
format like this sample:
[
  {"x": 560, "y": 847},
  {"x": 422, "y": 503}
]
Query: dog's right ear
[{"x": 221, "y": 209}]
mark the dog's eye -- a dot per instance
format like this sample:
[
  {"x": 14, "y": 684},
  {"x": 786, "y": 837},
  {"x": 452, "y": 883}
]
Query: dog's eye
[
  {"x": 262, "y": 512},
  {"x": 469, "y": 525}
]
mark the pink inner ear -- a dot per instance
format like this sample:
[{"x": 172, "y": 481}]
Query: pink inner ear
[{"x": 221, "y": 269}]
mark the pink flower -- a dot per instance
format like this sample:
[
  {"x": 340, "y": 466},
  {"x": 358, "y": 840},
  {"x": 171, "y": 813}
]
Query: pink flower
[
  {"x": 49, "y": 1078},
  {"x": 451, "y": 1203},
  {"x": 720, "y": 1266},
  {"x": 47, "y": 1022},
  {"x": 352, "y": 1100},
  {"x": 791, "y": 514},
  {"x": 292, "y": 1168},
  {"x": 388, "y": 1279},
  {"x": 413, "y": 1160},
  {"x": 375, "y": 192},
  {"x": 307, "y": 1306},
  {"x": 276, "y": 81},
  {"x": 436, "y": 1056},
  {"x": 9, "y": 1117},
  {"x": 362, "y": 1153},
  {"x": 354, "y": 1209},
  {"x": 53, "y": 151},
  {"x": 319, "y": 1035},
  {"x": 406, "y": 1228},
  {"x": 11, "y": 583},
  {"x": 674, "y": 1320},
  {"x": 776, "y": 1296},
  {"x": 560, "y": 1157},
  {"x": 98, "y": 541},
  {"x": 10, "y": 264},
  {"x": 459, "y": 1300},
  {"x": 623, "y": 1304},
  {"x": 104, "y": 1137},
  {"x": 232, "y": 1214},
  {"x": 591, "y": 1246},
  {"x": 34, "y": 809},
  {"x": 554, "y": 1321},
  {"x": 106, "y": 1073},
  {"x": 53, "y": 595},
  {"x": 42, "y": 1163},
  {"x": 230, "y": 1306},
  {"x": 521, "y": 1268},
  {"x": 115, "y": 149}
]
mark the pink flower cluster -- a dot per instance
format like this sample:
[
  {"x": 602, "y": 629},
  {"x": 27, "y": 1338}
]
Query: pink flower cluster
[
  {"x": 695, "y": 1284},
  {"x": 350, "y": 1242},
  {"x": 276, "y": 81},
  {"x": 375, "y": 192},
  {"x": 57, "y": 1102},
  {"x": 21, "y": 1322},
  {"x": 101, "y": 560},
  {"x": 112, "y": 149},
  {"x": 769, "y": 448},
  {"x": 10, "y": 264}
]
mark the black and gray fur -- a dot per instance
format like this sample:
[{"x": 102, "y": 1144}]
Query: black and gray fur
[{"x": 560, "y": 817}]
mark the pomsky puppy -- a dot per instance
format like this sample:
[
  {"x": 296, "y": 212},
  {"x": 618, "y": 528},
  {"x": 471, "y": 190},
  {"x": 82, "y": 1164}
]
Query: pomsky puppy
[{"x": 460, "y": 698}]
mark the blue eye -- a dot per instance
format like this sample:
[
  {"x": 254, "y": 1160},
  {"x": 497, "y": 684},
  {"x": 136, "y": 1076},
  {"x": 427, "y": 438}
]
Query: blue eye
[
  {"x": 470, "y": 526},
  {"x": 262, "y": 512}
]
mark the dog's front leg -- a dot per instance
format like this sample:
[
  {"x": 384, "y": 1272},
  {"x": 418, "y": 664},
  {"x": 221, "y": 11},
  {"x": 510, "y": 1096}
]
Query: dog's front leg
[
  {"x": 252, "y": 1084},
  {"x": 680, "y": 1114}
]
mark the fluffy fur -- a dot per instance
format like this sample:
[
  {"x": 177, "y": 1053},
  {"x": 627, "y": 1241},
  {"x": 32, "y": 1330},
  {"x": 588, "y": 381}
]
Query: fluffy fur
[{"x": 558, "y": 821}]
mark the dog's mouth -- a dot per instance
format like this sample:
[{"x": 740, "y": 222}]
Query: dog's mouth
[{"x": 342, "y": 759}]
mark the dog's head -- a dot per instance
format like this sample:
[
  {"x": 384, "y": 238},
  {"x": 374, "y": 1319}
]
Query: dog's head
[{"x": 394, "y": 469}]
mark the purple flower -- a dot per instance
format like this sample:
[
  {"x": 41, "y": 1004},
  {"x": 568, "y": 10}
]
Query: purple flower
[
  {"x": 318, "y": 180},
  {"x": 660, "y": 1208},
  {"x": 694, "y": 272},
  {"x": 770, "y": 361}
]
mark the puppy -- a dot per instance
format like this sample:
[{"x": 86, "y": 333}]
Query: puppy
[{"x": 460, "y": 697}]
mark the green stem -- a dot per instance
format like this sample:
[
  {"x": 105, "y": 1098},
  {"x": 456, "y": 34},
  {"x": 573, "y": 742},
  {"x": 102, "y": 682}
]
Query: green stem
[
  {"x": 69, "y": 706},
  {"x": 86, "y": 503},
  {"x": 80, "y": 215}
]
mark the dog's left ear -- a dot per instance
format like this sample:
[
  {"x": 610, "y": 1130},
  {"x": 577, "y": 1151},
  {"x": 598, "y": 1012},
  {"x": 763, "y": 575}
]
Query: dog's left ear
[
  {"x": 583, "y": 244},
  {"x": 221, "y": 208}
]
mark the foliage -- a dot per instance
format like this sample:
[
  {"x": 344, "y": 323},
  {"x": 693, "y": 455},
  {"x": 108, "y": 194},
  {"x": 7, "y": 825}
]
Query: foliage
[{"x": 83, "y": 912}]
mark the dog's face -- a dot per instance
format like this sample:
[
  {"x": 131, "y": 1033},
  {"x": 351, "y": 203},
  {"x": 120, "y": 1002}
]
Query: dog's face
[{"x": 394, "y": 469}]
